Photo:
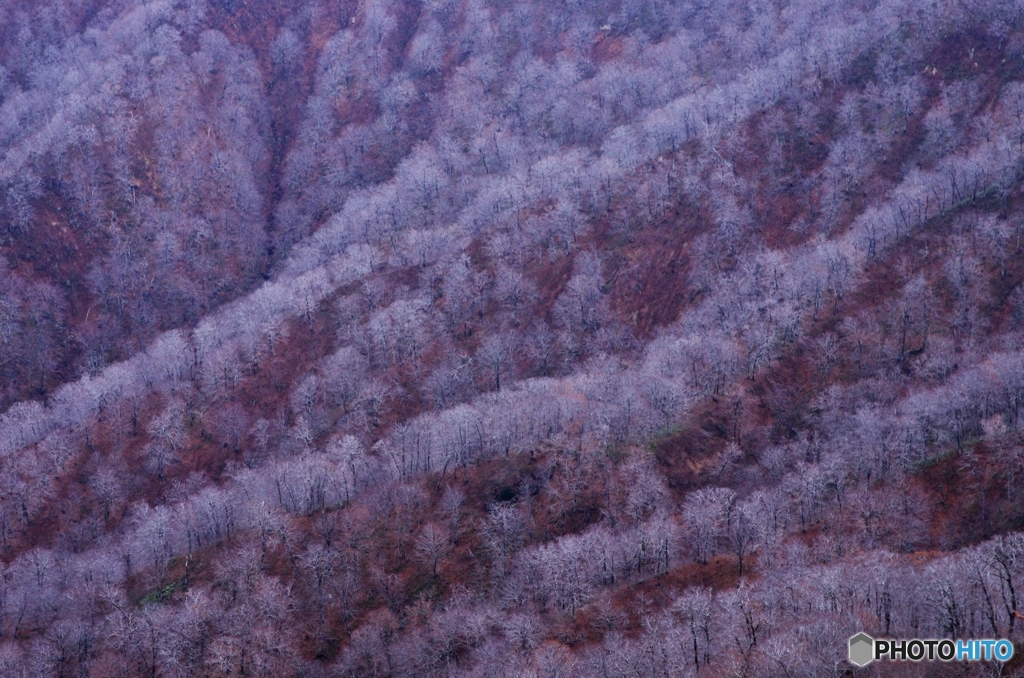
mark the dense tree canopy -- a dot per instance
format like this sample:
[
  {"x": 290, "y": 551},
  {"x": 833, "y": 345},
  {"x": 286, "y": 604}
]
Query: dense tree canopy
[{"x": 477, "y": 338}]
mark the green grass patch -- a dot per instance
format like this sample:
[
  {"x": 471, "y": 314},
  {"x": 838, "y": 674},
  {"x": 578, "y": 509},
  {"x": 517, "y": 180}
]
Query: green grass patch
[{"x": 161, "y": 594}]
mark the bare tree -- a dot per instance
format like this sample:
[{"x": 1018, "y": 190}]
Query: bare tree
[{"x": 432, "y": 545}]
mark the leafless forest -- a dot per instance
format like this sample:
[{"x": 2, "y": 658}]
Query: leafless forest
[{"x": 494, "y": 338}]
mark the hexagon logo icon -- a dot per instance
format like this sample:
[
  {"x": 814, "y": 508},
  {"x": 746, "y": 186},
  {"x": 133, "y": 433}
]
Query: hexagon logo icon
[{"x": 862, "y": 649}]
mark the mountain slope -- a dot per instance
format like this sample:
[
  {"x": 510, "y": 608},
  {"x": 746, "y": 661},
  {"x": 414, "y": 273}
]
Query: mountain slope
[{"x": 467, "y": 338}]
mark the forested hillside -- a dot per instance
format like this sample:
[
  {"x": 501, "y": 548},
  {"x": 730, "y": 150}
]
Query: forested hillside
[{"x": 490, "y": 338}]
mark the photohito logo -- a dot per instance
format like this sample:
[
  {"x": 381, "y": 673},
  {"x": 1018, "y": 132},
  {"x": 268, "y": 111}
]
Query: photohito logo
[{"x": 864, "y": 649}]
